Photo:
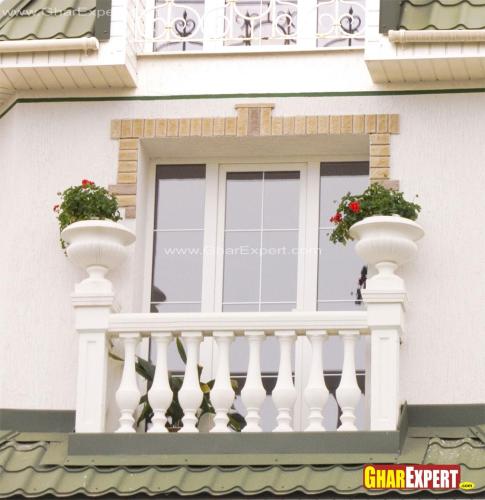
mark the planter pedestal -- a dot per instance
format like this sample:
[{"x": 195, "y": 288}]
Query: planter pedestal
[
  {"x": 98, "y": 246},
  {"x": 386, "y": 242}
]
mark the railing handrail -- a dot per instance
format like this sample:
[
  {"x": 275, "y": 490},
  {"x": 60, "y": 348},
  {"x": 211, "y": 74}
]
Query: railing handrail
[{"x": 239, "y": 322}]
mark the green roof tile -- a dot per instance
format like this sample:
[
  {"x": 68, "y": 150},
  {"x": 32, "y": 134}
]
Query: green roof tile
[
  {"x": 23, "y": 472},
  {"x": 442, "y": 14},
  {"x": 35, "y": 463},
  {"x": 46, "y": 19}
]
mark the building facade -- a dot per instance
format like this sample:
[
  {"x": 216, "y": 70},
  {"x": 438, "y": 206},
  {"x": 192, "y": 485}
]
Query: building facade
[{"x": 227, "y": 127}]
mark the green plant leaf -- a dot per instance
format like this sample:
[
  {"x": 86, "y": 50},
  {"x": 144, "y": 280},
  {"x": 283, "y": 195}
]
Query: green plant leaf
[
  {"x": 236, "y": 422},
  {"x": 145, "y": 369},
  {"x": 375, "y": 200},
  {"x": 205, "y": 388},
  {"x": 181, "y": 350}
]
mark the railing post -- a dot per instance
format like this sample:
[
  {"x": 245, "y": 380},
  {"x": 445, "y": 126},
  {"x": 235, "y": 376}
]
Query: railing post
[
  {"x": 284, "y": 393},
  {"x": 190, "y": 394},
  {"x": 307, "y": 25},
  {"x": 97, "y": 246},
  {"x": 91, "y": 313},
  {"x": 386, "y": 322},
  {"x": 222, "y": 393},
  {"x": 386, "y": 242},
  {"x": 253, "y": 393}
]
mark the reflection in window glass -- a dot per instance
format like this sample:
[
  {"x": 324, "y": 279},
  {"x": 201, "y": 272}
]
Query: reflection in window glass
[
  {"x": 261, "y": 241},
  {"x": 339, "y": 268},
  {"x": 178, "y": 238}
]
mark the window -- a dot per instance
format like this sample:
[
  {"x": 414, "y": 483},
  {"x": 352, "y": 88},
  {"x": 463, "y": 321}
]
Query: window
[{"x": 237, "y": 240}]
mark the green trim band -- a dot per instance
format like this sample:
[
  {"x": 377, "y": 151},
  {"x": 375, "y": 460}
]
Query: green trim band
[
  {"x": 233, "y": 448},
  {"x": 37, "y": 420},
  {"x": 363, "y": 93}
]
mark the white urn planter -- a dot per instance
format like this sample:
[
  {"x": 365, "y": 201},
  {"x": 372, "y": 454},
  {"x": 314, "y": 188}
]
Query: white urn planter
[
  {"x": 386, "y": 242},
  {"x": 98, "y": 246}
]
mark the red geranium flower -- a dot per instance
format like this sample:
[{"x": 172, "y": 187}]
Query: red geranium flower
[
  {"x": 354, "y": 206},
  {"x": 336, "y": 218},
  {"x": 85, "y": 183}
]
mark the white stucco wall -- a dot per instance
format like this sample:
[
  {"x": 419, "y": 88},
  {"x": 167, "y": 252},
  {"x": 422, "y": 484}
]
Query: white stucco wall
[{"x": 45, "y": 147}]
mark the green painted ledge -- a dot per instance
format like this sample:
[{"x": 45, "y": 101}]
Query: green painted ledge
[{"x": 363, "y": 93}]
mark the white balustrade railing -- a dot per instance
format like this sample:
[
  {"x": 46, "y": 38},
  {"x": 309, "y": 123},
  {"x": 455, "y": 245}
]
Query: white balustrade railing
[
  {"x": 223, "y": 328},
  {"x": 224, "y": 25},
  {"x": 386, "y": 242}
]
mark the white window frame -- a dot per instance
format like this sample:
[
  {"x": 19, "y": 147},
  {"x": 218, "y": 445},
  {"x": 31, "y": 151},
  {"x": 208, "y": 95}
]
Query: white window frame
[{"x": 224, "y": 169}]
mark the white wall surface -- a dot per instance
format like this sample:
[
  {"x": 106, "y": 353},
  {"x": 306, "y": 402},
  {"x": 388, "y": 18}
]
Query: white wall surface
[{"x": 45, "y": 147}]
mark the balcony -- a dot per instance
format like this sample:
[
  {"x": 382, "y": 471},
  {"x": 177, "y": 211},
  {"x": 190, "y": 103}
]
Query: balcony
[
  {"x": 168, "y": 26},
  {"x": 99, "y": 325}
]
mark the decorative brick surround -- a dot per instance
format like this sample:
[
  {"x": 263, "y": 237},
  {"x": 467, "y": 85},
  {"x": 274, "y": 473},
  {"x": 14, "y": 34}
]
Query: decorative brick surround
[{"x": 253, "y": 120}]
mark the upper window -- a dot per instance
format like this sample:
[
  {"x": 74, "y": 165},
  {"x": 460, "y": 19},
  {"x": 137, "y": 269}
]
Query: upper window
[{"x": 241, "y": 237}]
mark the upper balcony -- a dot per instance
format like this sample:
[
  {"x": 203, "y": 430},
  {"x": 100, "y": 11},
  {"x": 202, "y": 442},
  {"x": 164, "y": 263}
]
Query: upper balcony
[{"x": 221, "y": 26}]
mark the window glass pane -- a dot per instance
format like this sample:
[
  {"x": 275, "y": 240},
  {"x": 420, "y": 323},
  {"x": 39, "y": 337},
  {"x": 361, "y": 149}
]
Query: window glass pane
[
  {"x": 175, "y": 308},
  {"x": 279, "y": 266},
  {"x": 339, "y": 268},
  {"x": 178, "y": 239},
  {"x": 241, "y": 266},
  {"x": 244, "y": 192},
  {"x": 281, "y": 199},
  {"x": 261, "y": 240},
  {"x": 177, "y": 270},
  {"x": 180, "y": 197}
]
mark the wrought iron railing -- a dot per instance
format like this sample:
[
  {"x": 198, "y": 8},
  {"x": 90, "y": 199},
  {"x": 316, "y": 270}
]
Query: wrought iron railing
[{"x": 213, "y": 25}]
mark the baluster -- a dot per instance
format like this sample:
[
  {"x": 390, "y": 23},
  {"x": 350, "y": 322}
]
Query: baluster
[
  {"x": 128, "y": 393},
  {"x": 253, "y": 393},
  {"x": 160, "y": 395},
  {"x": 190, "y": 395},
  {"x": 348, "y": 392},
  {"x": 284, "y": 393},
  {"x": 316, "y": 392},
  {"x": 222, "y": 394}
]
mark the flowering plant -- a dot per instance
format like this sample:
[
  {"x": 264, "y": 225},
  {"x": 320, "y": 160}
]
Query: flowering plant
[
  {"x": 375, "y": 200},
  {"x": 85, "y": 202}
]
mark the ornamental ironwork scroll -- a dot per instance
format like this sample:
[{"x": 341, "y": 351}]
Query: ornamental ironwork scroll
[{"x": 191, "y": 25}]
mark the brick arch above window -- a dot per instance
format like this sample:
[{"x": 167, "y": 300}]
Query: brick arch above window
[{"x": 251, "y": 120}]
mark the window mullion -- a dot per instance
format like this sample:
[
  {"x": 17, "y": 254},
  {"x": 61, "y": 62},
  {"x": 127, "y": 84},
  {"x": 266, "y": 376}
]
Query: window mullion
[
  {"x": 309, "y": 221},
  {"x": 210, "y": 238},
  {"x": 209, "y": 263}
]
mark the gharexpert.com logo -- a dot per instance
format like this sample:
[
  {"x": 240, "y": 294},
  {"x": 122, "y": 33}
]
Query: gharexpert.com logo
[{"x": 414, "y": 477}]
